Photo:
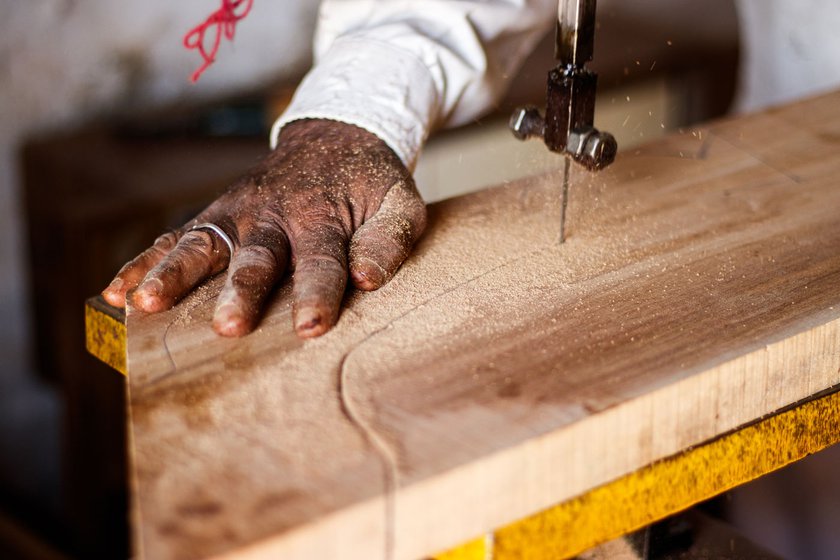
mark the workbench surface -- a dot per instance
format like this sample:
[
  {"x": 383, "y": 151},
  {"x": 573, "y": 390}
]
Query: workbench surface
[{"x": 500, "y": 372}]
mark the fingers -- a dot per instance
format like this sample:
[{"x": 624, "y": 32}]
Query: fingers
[
  {"x": 134, "y": 271},
  {"x": 198, "y": 255},
  {"x": 255, "y": 269},
  {"x": 384, "y": 241},
  {"x": 320, "y": 278}
]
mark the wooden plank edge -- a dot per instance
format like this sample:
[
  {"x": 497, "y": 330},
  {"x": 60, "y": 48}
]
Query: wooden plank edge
[
  {"x": 665, "y": 487},
  {"x": 105, "y": 333}
]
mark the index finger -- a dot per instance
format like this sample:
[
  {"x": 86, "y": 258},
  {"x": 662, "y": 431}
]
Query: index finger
[
  {"x": 199, "y": 254},
  {"x": 133, "y": 272}
]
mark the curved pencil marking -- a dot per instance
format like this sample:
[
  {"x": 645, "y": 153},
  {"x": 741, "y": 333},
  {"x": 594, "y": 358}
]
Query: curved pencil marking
[
  {"x": 387, "y": 456},
  {"x": 382, "y": 449}
]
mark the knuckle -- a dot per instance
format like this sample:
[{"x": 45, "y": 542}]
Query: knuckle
[
  {"x": 324, "y": 234},
  {"x": 398, "y": 233},
  {"x": 321, "y": 264},
  {"x": 165, "y": 242},
  {"x": 192, "y": 253},
  {"x": 400, "y": 229},
  {"x": 379, "y": 248},
  {"x": 322, "y": 216},
  {"x": 166, "y": 269},
  {"x": 256, "y": 256},
  {"x": 199, "y": 242},
  {"x": 270, "y": 221},
  {"x": 328, "y": 209},
  {"x": 251, "y": 282}
]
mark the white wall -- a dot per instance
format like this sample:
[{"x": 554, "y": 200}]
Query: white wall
[
  {"x": 789, "y": 49},
  {"x": 65, "y": 61}
]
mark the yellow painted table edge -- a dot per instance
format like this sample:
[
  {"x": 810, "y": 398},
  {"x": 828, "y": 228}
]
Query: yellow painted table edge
[
  {"x": 631, "y": 502},
  {"x": 665, "y": 487},
  {"x": 105, "y": 334}
]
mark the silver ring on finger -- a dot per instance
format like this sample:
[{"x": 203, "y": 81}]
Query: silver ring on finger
[{"x": 218, "y": 231}]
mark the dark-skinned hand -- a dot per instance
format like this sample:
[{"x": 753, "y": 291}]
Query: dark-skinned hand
[{"x": 331, "y": 200}]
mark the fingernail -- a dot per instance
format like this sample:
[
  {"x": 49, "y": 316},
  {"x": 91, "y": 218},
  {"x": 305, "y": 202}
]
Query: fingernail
[
  {"x": 308, "y": 320},
  {"x": 360, "y": 279},
  {"x": 152, "y": 287},
  {"x": 367, "y": 274},
  {"x": 115, "y": 298},
  {"x": 363, "y": 281},
  {"x": 115, "y": 285},
  {"x": 229, "y": 321},
  {"x": 147, "y": 296}
]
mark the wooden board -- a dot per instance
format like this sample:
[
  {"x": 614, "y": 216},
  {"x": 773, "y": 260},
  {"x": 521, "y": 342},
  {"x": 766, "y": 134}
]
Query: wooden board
[{"x": 500, "y": 372}]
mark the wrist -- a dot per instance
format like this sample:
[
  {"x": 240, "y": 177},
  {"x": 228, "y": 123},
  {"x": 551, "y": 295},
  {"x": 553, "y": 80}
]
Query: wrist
[{"x": 382, "y": 89}]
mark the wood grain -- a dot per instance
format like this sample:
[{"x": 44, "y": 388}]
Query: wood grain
[{"x": 501, "y": 372}]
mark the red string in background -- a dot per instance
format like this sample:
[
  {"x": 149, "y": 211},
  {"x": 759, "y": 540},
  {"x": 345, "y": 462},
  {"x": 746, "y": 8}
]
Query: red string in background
[{"x": 223, "y": 21}]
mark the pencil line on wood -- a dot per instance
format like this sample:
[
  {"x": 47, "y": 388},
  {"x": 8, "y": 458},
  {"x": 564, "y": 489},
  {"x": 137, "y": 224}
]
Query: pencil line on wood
[{"x": 377, "y": 441}]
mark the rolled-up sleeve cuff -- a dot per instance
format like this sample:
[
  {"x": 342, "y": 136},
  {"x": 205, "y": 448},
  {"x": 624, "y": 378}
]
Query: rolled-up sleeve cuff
[{"x": 383, "y": 89}]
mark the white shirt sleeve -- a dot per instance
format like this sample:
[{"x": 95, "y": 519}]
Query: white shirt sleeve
[{"x": 402, "y": 68}]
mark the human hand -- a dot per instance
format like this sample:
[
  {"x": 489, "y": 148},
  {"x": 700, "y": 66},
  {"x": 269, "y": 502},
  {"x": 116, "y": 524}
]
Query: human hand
[{"x": 330, "y": 198}]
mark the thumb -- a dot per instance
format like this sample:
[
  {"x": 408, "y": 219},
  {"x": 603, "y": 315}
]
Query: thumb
[{"x": 382, "y": 243}]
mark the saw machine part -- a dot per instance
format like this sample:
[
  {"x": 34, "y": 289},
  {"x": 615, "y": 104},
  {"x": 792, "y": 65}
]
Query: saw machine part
[{"x": 567, "y": 127}]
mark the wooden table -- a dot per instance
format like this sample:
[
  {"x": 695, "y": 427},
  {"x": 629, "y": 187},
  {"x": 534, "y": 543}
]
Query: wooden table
[{"x": 685, "y": 339}]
